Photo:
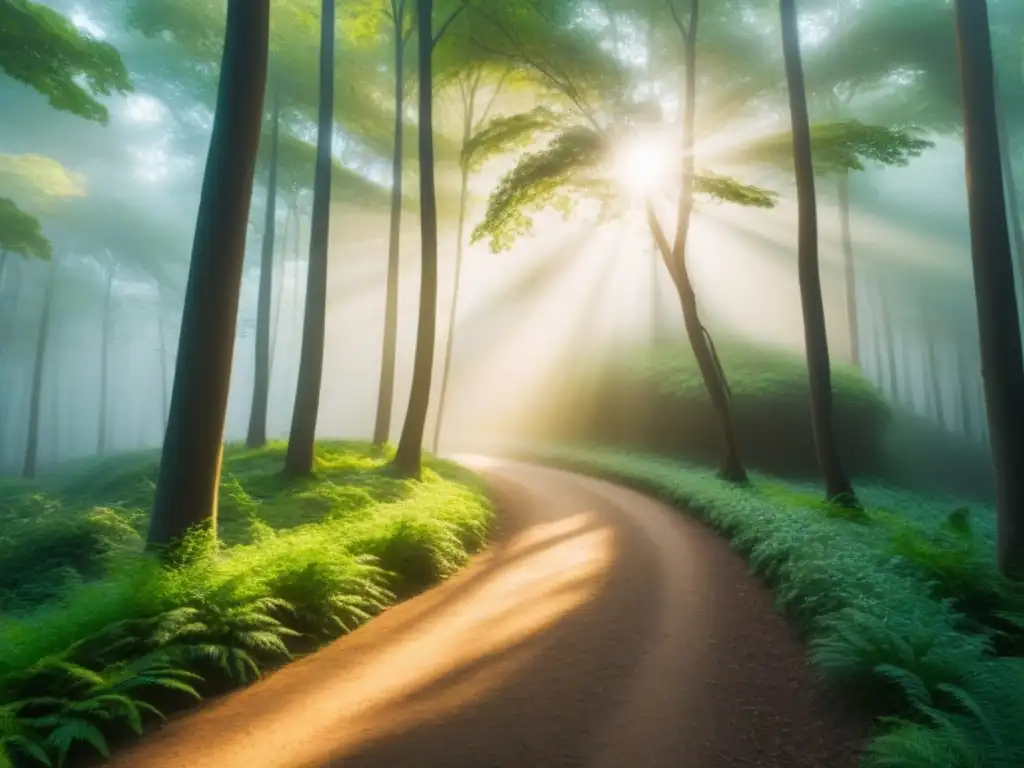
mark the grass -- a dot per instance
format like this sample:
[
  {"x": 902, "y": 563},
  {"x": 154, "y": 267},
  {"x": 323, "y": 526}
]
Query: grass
[
  {"x": 900, "y": 603},
  {"x": 98, "y": 639}
]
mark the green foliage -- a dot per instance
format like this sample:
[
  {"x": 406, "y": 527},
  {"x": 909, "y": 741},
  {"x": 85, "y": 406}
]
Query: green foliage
[
  {"x": 128, "y": 639},
  {"x": 507, "y": 133},
  {"x": 665, "y": 408},
  {"x": 876, "y": 624},
  {"x": 569, "y": 166},
  {"x": 21, "y": 233},
  {"x": 727, "y": 190},
  {"x": 41, "y": 48},
  {"x": 836, "y": 146}
]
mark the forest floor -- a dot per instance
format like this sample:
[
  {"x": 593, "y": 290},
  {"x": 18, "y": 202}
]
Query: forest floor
[
  {"x": 96, "y": 637},
  {"x": 899, "y": 601},
  {"x": 599, "y": 629}
]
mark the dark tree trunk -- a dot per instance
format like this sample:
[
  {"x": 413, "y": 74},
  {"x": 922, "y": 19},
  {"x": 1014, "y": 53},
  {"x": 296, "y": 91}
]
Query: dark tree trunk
[
  {"x": 409, "y": 456},
  {"x": 837, "y": 484},
  {"x": 279, "y": 269},
  {"x": 889, "y": 339},
  {"x": 674, "y": 256},
  {"x": 935, "y": 381},
  {"x": 186, "y": 492},
  {"x": 101, "y": 427},
  {"x": 1002, "y": 362},
  {"x": 302, "y": 439},
  {"x": 849, "y": 270},
  {"x": 162, "y": 349},
  {"x": 964, "y": 392},
  {"x": 32, "y": 443},
  {"x": 452, "y": 313},
  {"x": 257, "y": 435},
  {"x": 386, "y": 394}
]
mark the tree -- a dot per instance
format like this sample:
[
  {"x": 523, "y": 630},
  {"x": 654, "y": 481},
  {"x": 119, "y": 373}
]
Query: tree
[
  {"x": 1002, "y": 361},
  {"x": 409, "y": 455},
  {"x": 396, "y": 13},
  {"x": 302, "y": 439},
  {"x": 257, "y": 435},
  {"x": 837, "y": 483},
  {"x": 470, "y": 83},
  {"x": 31, "y": 461},
  {"x": 186, "y": 492}
]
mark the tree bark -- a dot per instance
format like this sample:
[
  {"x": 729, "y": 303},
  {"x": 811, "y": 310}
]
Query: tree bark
[
  {"x": 279, "y": 269},
  {"x": 409, "y": 456},
  {"x": 837, "y": 484},
  {"x": 31, "y": 460},
  {"x": 674, "y": 257},
  {"x": 301, "y": 453},
  {"x": 186, "y": 492},
  {"x": 257, "y": 435},
  {"x": 101, "y": 427},
  {"x": 1002, "y": 361},
  {"x": 386, "y": 394},
  {"x": 849, "y": 270},
  {"x": 453, "y": 312}
]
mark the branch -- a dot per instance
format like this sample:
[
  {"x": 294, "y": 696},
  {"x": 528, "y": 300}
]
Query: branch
[
  {"x": 447, "y": 23},
  {"x": 670, "y": 4},
  {"x": 490, "y": 102}
]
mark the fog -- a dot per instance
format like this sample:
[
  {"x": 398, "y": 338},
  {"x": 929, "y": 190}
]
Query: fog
[{"x": 119, "y": 202}]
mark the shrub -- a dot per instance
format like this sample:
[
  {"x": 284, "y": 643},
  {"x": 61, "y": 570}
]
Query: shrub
[
  {"x": 128, "y": 638},
  {"x": 655, "y": 401}
]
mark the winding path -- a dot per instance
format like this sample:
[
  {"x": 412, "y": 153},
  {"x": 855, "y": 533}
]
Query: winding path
[{"x": 601, "y": 629}]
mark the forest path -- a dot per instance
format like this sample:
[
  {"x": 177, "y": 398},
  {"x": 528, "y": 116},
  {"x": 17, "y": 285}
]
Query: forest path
[{"x": 600, "y": 629}]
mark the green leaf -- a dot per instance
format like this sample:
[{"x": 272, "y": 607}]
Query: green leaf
[
  {"x": 21, "y": 233},
  {"x": 729, "y": 190}
]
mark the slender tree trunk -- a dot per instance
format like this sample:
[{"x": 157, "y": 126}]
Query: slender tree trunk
[
  {"x": 453, "y": 311},
  {"x": 890, "y": 342},
  {"x": 409, "y": 456},
  {"x": 279, "y": 269},
  {"x": 964, "y": 392},
  {"x": 837, "y": 484},
  {"x": 186, "y": 491},
  {"x": 1012, "y": 199},
  {"x": 1002, "y": 361},
  {"x": 386, "y": 394},
  {"x": 31, "y": 461},
  {"x": 849, "y": 269},
  {"x": 101, "y": 427},
  {"x": 935, "y": 381},
  {"x": 674, "y": 256},
  {"x": 257, "y": 435},
  {"x": 302, "y": 439}
]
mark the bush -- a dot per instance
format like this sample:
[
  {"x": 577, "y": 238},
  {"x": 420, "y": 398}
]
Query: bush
[
  {"x": 881, "y": 600},
  {"x": 655, "y": 401},
  {"x": 305, "y": 562}
]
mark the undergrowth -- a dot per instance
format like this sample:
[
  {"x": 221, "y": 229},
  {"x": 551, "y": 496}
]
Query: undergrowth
[
  {"x": 900, "y": 603},
  {"x": 111, "y": 640}
]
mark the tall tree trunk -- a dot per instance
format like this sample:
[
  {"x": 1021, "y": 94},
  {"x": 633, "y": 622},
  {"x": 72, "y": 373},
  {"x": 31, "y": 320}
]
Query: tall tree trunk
[
  {"x": 186, "y": 491},
  {"x": 964, "y": 392},
  {"x": 32, "y": 443},
  {"x": 1002, "y": 361},
  {"x": 935, "y": 381},
  {"x": 409, "y": 456},
  {"x": 674, "y": 257},
  {"x": 302, "y": 439},
  {"x": 889, "y": 338},
  {"x": 849, "y": 270},
  {"x": 101, "y": 427},
  {"x": 453, "y": 311},
  {"x": 837, "y": 484},
  {"x": 386, "y": 393},
  {"x": 279, "y": 269},
  {"x": 257, "y": 435}
]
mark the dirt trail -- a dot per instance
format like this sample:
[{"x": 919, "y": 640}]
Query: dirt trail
[{"x": 601, "y": 629}]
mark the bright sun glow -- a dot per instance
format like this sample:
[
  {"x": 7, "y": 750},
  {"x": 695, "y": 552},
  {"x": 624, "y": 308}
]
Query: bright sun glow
[{"x": 641, "y": 164}]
